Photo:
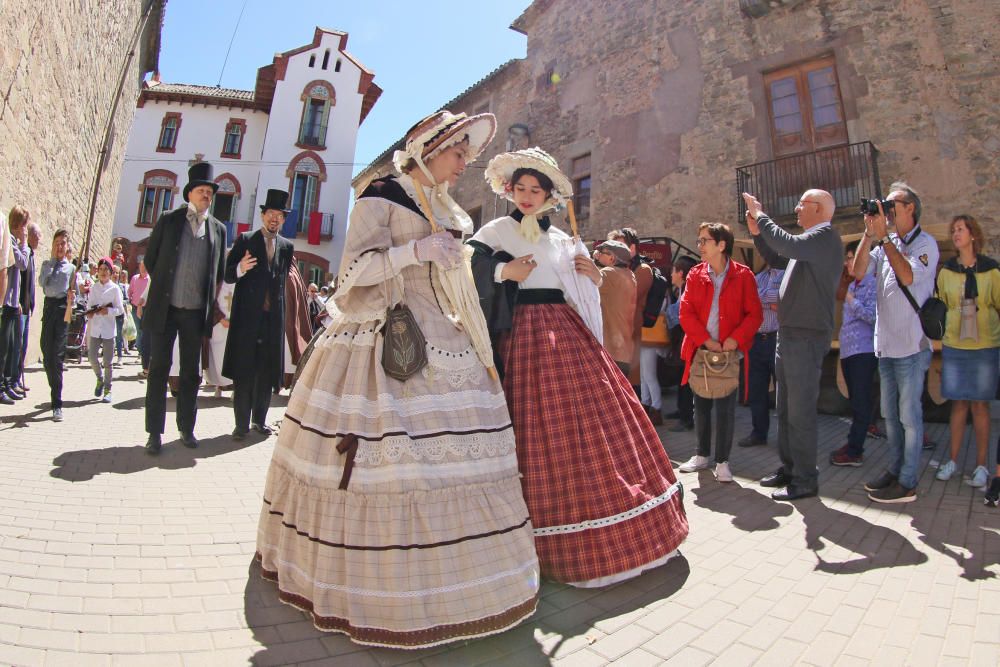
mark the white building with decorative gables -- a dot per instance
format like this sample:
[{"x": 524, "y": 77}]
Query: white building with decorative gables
[{"x": 296, "y": 131}]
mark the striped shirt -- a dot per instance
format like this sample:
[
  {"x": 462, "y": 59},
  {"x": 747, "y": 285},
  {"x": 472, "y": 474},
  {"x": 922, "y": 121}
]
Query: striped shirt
[
  {"x": 713, "y": 313},
  {"x": 768, "y": 285},
  {"x": 897, "y": 327}
]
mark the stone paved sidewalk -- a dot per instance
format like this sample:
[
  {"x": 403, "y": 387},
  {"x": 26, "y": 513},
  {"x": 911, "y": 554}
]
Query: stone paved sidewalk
[{"x": 110, "y": 557}]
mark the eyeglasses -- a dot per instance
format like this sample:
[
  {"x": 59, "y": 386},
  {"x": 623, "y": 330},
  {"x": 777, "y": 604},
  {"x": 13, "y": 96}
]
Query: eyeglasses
[
  {"x": 808, "y": 201},
  {"x": 700, "y": 242}
]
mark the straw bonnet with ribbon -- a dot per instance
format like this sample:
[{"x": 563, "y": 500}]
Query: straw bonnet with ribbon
[
  {"x": 501, "y": 170},
  {"x": 434, "y": 134}
]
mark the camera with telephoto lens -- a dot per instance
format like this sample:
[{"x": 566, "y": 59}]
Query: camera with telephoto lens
[{"x": 870, "y": 206}]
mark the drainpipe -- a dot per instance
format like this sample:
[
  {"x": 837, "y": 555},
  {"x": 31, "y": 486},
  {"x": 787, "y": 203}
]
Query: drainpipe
[{"x": 101, "y": 157}]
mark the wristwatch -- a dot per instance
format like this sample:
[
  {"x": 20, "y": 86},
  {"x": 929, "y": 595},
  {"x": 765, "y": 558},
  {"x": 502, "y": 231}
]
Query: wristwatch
[{"x": 883, "y": 240}]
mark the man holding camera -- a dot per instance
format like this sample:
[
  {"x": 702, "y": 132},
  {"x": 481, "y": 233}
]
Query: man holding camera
[
  {"x": 901, "y": 261},
  {"x": 812, "y": 262}
]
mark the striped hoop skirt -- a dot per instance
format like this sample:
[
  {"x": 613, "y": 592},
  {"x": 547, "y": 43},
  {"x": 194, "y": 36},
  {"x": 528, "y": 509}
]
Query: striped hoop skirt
[{"x": 393, "y": 511}]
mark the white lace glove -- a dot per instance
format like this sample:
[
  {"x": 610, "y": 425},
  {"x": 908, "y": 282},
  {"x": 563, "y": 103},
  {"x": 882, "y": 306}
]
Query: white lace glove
[{"x": 442, "y": 248}]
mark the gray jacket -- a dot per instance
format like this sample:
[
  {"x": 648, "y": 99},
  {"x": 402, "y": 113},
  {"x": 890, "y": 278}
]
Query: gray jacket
[{"x": 811, "y": 290}]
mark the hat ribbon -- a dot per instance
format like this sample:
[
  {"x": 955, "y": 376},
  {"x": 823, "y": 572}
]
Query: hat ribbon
[{"x": 456, "y": 213}]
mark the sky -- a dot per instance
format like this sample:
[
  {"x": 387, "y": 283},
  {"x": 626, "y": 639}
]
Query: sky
[{"x": 423, "y": 53}]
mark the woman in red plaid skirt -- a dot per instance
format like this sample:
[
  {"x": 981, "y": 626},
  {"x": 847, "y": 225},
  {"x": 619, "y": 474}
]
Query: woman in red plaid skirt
[{"x": 604, "y": 502}]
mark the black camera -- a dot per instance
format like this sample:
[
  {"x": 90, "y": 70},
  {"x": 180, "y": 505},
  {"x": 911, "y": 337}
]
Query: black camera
[{"x": 870, "y": 206}]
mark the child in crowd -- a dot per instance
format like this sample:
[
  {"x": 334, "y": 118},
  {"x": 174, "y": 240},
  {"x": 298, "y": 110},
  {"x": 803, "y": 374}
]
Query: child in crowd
[{"x": 105, "y": 305}]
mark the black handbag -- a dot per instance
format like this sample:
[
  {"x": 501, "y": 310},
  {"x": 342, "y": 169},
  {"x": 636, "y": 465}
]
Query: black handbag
[{"x": 933, "y": 314}]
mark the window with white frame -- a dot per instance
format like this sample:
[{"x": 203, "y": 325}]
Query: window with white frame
[
  {"x": 170, "y": 127},
  {"x": 317, "y": 99},
  {"x": 158, "y": 188},
  {"x": 232, "y": 145}
]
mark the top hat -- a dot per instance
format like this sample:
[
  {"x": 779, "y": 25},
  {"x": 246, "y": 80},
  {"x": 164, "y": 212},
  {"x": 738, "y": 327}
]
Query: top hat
[
  {"x": 200, "y": 173},
  {"x": 276, "y": 199}
]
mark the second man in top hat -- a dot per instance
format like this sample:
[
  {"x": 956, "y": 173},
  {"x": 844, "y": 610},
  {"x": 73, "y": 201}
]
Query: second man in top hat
[{"x": 258, "y": 263}]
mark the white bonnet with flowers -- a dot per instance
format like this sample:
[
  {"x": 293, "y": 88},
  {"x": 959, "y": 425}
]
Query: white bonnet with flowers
[
  {"x": 436, "y": 133},
  {"x": 501, "y": 170}
]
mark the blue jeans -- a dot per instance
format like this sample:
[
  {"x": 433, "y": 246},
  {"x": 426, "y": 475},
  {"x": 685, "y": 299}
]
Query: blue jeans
[{"x": 902, "y": 389}]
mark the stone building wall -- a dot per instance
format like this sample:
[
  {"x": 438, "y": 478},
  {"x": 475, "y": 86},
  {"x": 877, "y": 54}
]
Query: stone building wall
[
  {"x": 60, "y": 66},
  {"x": 669, "y": 98}
]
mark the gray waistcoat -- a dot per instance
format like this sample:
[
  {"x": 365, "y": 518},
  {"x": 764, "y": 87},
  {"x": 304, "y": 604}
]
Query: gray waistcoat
[{"x": 191, "y": 272}]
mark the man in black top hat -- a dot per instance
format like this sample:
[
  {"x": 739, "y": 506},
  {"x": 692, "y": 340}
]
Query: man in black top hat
[
  {"x": 185, "y": 260},
  {"x": 258, "y": 263}
]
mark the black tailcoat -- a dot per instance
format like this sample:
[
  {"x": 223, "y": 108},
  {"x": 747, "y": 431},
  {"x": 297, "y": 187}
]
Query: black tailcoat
[
  {"x": 248, "y": 304},
  {"x": 161, "y": 262}
]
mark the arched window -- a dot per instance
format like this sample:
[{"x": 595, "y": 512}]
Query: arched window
[
  {"x": 157, "y": 190},
  {"x": 232, "y": 142},
  {"x": 305, "y": 172},
  {"x": 326, "y": 58},
  {"x": 170, "y": 127},
  {"x": 317, "y": 99},
  {"x": 336, "y": 67},
  {"x": 225, "y": 201},
  {"x": 312, "y": 60}
]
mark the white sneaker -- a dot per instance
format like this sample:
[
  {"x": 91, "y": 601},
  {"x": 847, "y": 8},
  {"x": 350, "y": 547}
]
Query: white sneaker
[
  {"x": 694, "y": 464},
  {"x": 107, "y": 397},
  {"x": 945, "y": 472},
  {"x": 722, "y": 472},
  {"x": 979, "y": 477},
  {"x": 57, "y": 415}
]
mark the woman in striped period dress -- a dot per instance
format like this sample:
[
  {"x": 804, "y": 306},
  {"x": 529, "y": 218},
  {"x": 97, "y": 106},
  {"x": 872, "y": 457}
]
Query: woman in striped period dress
[{"x": 393, "y": 510}]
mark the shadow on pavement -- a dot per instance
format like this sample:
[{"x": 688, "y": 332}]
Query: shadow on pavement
[
  {"x": 41, "y": 413},
  {"x": 973, "y": 547},
  {"x": 751, "y": 510},
  {"x": 565, "y": 615},
  {"x": 84, "y": 464},
  {"x": 872, "y": 545}
]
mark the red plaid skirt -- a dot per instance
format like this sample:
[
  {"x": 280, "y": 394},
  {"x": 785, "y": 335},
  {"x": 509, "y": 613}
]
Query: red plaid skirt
[{"x": 597, "y": 482}]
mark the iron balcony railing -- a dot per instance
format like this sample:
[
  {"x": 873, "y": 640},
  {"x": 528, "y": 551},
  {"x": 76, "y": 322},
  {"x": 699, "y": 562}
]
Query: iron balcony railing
[
  {"x": 313, "y": 134},
  {"x": 302, "y": 223},
  {"x": 326, "y": 227},
  {"x": 847, "y": 172}
]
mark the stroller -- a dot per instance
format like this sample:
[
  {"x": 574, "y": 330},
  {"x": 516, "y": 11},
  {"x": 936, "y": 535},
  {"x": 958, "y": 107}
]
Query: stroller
[{"x": 76, "y": 334}]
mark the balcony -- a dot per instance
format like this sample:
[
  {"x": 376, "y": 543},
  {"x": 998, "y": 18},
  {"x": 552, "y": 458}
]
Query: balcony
[
  {"x": 312, "y": 136},
  {"x": 847, "y": 172},
  {"x": 302, "y": 224}
]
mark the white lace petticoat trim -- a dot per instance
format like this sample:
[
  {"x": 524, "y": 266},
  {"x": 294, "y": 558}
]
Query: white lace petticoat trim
[{"x": 610, "y": 520}]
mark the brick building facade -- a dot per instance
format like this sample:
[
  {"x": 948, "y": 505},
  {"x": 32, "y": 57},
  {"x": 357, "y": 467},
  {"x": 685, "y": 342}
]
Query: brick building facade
[
  {"x": 661, "y": 110},
  {"x": 70, "y": 73}
]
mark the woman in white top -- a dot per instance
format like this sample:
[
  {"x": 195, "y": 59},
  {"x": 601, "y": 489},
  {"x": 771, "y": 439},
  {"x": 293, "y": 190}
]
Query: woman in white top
[
  {"x": 604, "y": 502},
  {"x": 105, "y": 305}
]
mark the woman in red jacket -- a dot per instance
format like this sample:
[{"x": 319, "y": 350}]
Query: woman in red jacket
[{"x": 720, "y": 311}]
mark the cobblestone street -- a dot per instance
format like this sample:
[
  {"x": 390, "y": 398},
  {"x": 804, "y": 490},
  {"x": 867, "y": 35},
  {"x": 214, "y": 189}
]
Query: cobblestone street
[{"x": 111, "y": 557}]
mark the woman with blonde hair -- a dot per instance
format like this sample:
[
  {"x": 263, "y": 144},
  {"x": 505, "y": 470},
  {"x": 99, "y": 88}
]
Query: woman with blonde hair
[{"x": 969, "y": 284}]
